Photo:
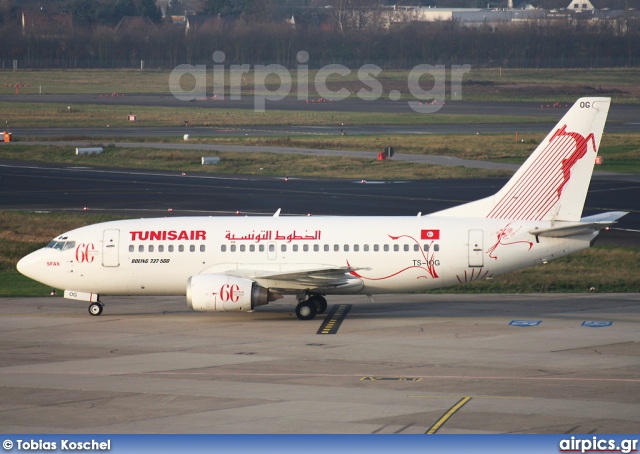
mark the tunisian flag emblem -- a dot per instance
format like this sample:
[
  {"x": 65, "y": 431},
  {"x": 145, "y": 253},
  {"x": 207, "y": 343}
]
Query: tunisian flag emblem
[{"x": 430, "y": 234}]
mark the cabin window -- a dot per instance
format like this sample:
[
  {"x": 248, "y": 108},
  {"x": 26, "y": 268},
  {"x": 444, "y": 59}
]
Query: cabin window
[
  {"x": 131, "y": 248},
  {"x": 365, "y": 248},
  {"x": 181, "y": 248},
  {"x": 252, "y": 248},
  {"x": 161, "y": 248},
  {"x": 416, "y": 247},
  {"x": 376, "y": 248},
  {"x": 336, "y": 248},
  {"x": 223, "y": 248},
  {"x": 426, "y": 248},
  {"x": 406, "y": 248},
  {"x": 232, "y": 248},
  {"x": 243, "y": 248},
  {"x": 326, "y": 248},
  {"x": 386, "y": 248},
  {"x": 316, "y": 247},
  {"x": 261, "y": 248},
  {"x": 305, "y": 248},
  {"x": 151, "y": 248},
  {"x": 396, "y": 247},
  {"x": 192, "y": 248},
  {"x": 283, "y": 248},
  {"x": 295, "y": 248},
  {"x": 141, "y": 248},
  {"x": 202, "y": 248},
  {"x": 171, "y": 248},
  {"x": 436, "y": 247},
  {"x": 272, "y": 248},
  {"x": 346, "y": 248},
  {"x": 356, "y": 247}
]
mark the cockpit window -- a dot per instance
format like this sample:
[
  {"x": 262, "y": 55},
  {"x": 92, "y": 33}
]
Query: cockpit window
[{"x": 62, "y": 245}]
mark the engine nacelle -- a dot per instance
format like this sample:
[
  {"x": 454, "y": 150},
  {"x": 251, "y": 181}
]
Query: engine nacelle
[{"x": 220, "y": 293}]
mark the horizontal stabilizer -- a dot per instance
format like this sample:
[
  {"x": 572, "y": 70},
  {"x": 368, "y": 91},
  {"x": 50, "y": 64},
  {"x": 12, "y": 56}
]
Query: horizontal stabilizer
[{"x": 588, "y": 224}]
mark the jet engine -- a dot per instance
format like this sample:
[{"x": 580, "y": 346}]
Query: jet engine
[{"x": 220, "y": 293}]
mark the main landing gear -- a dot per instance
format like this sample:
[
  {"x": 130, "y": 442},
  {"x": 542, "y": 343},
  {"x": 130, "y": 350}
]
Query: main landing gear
[
  {"x": 309, "y": 308},
  {"x": 96, "y": 308}
]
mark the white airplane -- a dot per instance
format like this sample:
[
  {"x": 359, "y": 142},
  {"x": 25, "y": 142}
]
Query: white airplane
[{"x": 239, "y": 263}]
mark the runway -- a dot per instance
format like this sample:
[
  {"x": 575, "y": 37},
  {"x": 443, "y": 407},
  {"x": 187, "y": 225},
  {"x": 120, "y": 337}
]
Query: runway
[
  {"x": 622, "y": 118},
  {"x": 117, "y": 133},
  {"x": 395, "y": 366},
  {"x": 39, "y": 186},
  {"x": 618, "y": 112}
]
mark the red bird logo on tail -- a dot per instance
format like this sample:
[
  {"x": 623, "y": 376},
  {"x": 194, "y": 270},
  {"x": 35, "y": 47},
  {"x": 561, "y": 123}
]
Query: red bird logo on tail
[{"x": 580, "y": 151}]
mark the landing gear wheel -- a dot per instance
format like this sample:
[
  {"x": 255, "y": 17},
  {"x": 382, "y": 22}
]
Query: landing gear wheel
[
  {"x": 306, "y": 310},
  {"x": 95, "y": 308},
  {"x": 321, "y": 303}
]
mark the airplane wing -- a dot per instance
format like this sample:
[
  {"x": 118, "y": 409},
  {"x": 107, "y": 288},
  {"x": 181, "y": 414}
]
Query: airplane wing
[
  {"x": 310, "y": 279},
  {"x": 587, "y": 224}
]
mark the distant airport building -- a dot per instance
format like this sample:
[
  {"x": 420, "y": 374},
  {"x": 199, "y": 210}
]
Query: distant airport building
[
  {"x": 580, "y": 5},
  {"x": 524, "y": 12}
]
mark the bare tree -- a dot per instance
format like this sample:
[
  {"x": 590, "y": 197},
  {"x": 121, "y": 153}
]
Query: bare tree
[
  {"x": 354, "y": 14},
  {"x": 340, "y": 13}
]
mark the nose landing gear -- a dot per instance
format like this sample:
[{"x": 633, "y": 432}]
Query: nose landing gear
[{"x": 96, "y": 308}]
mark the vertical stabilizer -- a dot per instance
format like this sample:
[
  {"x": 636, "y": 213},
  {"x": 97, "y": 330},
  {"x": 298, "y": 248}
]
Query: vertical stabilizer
[{"x": 552, "y": 184}]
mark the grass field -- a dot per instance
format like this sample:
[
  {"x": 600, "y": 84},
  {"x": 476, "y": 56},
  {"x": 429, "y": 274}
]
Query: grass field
[
  {"x": 478, "y": 84},
  {"x": 620, "y": 152},
  {"x": 52, "y": 115},
  {"x": 24, "y": 232},
  {"x": 266, "y": 164}
]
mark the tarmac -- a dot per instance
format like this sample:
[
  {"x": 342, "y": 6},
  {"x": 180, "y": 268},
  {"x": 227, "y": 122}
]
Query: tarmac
[{"x": 396, "y": 365}]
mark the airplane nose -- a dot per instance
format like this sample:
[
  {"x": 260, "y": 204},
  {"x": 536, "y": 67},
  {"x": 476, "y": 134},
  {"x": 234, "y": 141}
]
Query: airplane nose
[{"x": 28, "y": 265}]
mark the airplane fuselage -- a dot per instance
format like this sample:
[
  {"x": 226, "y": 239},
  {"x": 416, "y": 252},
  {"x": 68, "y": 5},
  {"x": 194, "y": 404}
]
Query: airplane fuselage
[{"x": 388, "y": 254}]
